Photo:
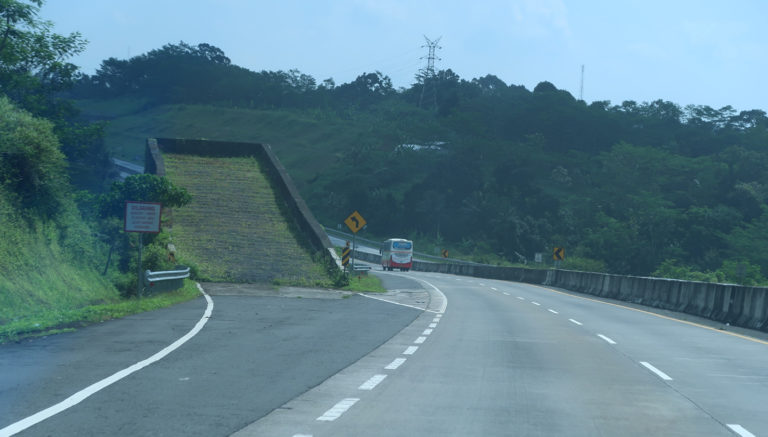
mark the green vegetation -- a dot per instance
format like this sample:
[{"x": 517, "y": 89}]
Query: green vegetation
[
  {"x": 364, "y": 283},
  {"x": 51, "y": 250},
  {"x": 66, "y": 318},
  {"x": 34, "y": 72},
  {"x": 236, "y": 229},
  {"x": 499, "y": 172}
]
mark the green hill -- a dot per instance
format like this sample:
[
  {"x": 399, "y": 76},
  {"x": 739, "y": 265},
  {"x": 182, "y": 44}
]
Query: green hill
[
  {"x": 305, "y": 142},
  {"x": 486, "y": 168}
]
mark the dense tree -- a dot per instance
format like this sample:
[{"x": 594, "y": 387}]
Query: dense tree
[
  {"x": 636, "y": 187},
  {"x": 34, "y": 72}
]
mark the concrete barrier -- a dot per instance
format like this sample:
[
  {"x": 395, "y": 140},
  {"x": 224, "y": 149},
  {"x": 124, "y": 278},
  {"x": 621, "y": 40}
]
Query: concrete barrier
[{"x": 727, "y": 303}]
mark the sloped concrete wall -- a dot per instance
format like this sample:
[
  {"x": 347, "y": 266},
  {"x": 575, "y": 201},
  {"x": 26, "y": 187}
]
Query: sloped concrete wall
[{"x": 249, "y": 260}]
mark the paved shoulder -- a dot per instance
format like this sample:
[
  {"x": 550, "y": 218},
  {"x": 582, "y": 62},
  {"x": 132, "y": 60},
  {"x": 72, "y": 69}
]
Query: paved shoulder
[{"x": 256, "y": 353}]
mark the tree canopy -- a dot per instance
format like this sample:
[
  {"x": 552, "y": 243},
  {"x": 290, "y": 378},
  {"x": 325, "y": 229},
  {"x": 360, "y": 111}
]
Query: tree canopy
[{"x": 500, "y": 169}]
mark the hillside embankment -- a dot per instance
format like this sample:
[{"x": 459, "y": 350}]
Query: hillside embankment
[{"x": 246, "y": 222}]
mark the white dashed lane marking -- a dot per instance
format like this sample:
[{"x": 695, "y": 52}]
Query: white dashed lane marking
[
  {"x": 337, "y": 410},
  {"x": 552, "y": 311},
  {"x": 373, "y": 382},
  {"x": 606, "y": 339},
  {"x": 395, "y": 364},
  {"x": 740, "y": 430},
  {"x": 433, "y": 325},
  {"x": 536, "y": 303},
  {"x": 427, "y": 332},
  {"x": 521, "y": 298},
  {"x": 411, "y": 350},
  {"x": 658, "y": 372},
  {"x": 576, "y": 322},
  {"x": 420, "y": 340}
]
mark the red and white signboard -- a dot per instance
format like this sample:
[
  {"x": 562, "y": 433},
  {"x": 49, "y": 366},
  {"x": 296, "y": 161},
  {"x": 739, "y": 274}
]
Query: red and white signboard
[{"x": 142, "y": 217}]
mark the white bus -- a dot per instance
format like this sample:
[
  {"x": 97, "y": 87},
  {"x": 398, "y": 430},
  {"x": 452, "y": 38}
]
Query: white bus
[{"x": 397, "y": 253}]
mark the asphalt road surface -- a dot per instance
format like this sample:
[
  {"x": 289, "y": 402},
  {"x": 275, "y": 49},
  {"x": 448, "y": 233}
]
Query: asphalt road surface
[
  {"x": 258, "y": 351},
  {"x": 508, "y": 359},
  {"x": 439, "y": 355}
]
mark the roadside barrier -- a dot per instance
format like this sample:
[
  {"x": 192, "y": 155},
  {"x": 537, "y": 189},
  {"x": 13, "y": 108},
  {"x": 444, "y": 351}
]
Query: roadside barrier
[
  {"x": 732, "y": 304},
  {"x": 168, "y": 280}
]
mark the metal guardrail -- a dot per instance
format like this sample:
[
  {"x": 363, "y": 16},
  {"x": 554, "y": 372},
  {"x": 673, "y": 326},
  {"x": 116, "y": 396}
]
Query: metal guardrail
[
  {"x": 361, "y": 268},
  {"x": 165, "y": 280}
]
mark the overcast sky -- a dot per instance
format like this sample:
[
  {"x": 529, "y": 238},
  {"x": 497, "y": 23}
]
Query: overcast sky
[{"x": 708, "y": 52}]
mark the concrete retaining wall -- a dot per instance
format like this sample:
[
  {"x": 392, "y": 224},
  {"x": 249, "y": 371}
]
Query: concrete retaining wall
[
  {"x": 727, "y": 303},
  {"x": 281, "y": 182}
]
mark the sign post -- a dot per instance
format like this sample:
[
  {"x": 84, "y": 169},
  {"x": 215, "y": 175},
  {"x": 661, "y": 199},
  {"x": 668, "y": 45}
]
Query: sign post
[
  {"x": 345, "y": 256},
  {"x": 144, "y": 218},
  {"x": 354, "y": 222}
]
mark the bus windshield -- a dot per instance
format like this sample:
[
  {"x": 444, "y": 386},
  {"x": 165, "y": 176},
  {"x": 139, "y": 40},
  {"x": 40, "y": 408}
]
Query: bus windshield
[{"x": 402, "y": 245}]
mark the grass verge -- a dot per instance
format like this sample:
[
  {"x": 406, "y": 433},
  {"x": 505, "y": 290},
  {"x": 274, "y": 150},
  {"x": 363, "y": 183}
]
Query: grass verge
[
  {"x": 366, "y": 283},
  {"x": 53, "y": 321}
]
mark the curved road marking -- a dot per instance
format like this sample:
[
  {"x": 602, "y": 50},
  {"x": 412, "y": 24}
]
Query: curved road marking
[{"x": 106, "y": 382}]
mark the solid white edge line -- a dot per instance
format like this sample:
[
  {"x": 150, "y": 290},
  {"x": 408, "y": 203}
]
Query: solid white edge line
[
  {"x": 372, "y": 382},
  {"x": 396, "y": 363},
  {"x": 658, "y": 372},
  {"x": 606, "y": 339},
  {"x": 575, "y": 322},
  {"x": 337, "y": 410},
  {"x": 396, "y": 303},
  {"x": 740, "y": 430},
  {"x": 438, "y": 312},
  {"x": 444, "y": 306},
  {"x": 83, "y": 394}
]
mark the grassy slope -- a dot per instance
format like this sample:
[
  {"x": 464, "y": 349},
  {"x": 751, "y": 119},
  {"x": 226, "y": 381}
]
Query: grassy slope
[
  {"x": 38, "y": 274},
  {"x": 234, "y": 228},
  {"x": 305, "y": 142}
]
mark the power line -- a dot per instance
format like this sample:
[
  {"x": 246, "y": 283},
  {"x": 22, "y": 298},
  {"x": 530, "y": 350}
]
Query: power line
[{"x": 427, "y": 75}]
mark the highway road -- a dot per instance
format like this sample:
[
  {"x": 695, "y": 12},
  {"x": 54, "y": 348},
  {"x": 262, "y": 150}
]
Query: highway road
[
  {"x": 507, "y": 359},
  {"x": 438, "y": 355}
]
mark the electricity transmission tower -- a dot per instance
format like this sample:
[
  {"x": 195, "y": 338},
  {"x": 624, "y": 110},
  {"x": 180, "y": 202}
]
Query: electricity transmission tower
[{"x": 427, "y": 75}]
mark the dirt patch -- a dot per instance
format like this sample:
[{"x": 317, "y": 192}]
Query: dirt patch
[{"x": 255, "y": 289}]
